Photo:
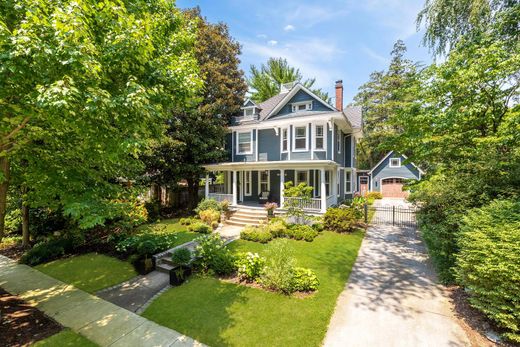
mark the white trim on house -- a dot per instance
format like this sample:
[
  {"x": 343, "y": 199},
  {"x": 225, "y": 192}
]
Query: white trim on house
[
  {"x": 306, "y": 149},
  {"x": 268, "y": 180},
  {"x": 281, "y": 140},
  {"x": 250, "y": 142},
  {"x": 295, "y": 105},
  {"x": 386, "y": 156},
  {"x": 256, "y": 144},
  {"x": 272, "y": 165},
  {"x": 338, "y": 141},
  {"x": 324, "y": 135},
  {"x": 395, "y": 165},
  {"x": 248, "y": 183},
  {"x": 350, "y": 172}
]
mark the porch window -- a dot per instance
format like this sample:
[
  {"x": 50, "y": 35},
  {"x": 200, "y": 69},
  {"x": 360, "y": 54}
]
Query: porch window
[
  {"x": 244, "y": 140},
  {"x": 395, "y": 162},
  {"x": 319, "y": 142},
  {"x": 285, "y": 133},
  {"x": 327, "y": 183},
  {"x": 247, "y": 183},
  {"x": 300, "y": 138},
  {"x": 302, "y": 177},
  {"x": 263, "y": 181},
  {"x": 348, "y": 182}
]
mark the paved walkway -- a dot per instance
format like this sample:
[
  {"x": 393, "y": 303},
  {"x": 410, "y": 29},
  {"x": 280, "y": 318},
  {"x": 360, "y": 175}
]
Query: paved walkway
[
  {"x": 392, "y": 298},
  {"x": 100, "y": 321}
]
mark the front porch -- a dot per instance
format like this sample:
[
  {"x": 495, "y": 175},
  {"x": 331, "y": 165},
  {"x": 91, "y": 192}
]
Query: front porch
[{"x": 252, "y": 185}]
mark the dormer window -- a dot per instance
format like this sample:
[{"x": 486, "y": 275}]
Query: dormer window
[
  {"x": 395, "y": 162},
  {"x": 302, "y": 106},
  {"x": 250, "y": 111}
]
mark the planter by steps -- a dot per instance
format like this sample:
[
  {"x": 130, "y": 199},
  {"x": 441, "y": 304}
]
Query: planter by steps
[
  {"x": 179, "y": 274},
  {"x": 144, "y": 265}
]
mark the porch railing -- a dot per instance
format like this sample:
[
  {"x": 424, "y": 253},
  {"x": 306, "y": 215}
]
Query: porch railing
[
  {"x": 220, "y": 197},
  {"x": 306, "y": 204},
  {"x": 331, "y": 200}
]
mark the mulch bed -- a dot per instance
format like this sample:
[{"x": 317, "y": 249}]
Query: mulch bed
[
  {"x": 21, "y": 324},
  {"x": 13, "y": 251}
]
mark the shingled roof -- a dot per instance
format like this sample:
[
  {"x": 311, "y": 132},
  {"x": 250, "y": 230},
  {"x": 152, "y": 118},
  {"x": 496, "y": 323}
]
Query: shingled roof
[
  {"x": 268, "y": 105},
  {"x": 354, "y": 115}
]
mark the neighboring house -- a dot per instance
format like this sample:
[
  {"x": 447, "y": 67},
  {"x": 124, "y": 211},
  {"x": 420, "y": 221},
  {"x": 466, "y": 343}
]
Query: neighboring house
[
  {"x": 293, "y": 136},
  {"x": 388, "y": 176}
]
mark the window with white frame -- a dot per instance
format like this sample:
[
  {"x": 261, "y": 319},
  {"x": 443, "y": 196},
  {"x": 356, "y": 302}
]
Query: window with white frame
[
  {"x": 263, "y": 181},
  {"x": 348, "y": 182},
  {"x": 244, "y": 140},
  {"x": 327, "y": 183},
  {"x": 300, "y": 138},
  {"x": 249, "y": 111},
  {"x": 302, "y": 177},
  {"x": 285, "y": 139},
  {"x": 302, "y": 106},
  {"x": 248, "y": 186},
  {"x": 319, "y": 137},
  {"x": 395, "y": 162}
]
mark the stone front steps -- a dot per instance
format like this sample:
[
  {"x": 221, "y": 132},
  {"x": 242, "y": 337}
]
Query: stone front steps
[{"x": 247, "y": 216}]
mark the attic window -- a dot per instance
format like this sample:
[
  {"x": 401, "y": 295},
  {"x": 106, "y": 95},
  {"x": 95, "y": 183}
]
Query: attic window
[
  {"x": 249, "y": 111},
  {"x": 302, "y": 106},
  {"x": 395, "y": 162}
]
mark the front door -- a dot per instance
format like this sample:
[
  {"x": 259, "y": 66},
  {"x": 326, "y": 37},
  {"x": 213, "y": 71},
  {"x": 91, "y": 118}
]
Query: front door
[{"x": 363, "y": 185}]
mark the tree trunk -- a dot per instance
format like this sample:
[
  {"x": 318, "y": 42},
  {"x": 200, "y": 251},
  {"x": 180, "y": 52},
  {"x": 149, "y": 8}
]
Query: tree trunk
[
  {"x": 193, "y": 192},
  {"x": 4, "y": 186},
  {"x": 25, "y": 218}
]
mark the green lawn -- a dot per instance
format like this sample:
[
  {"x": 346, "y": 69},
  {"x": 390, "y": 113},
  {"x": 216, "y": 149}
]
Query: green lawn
[
  {"x": 89, "y": 272},
  {"x": 170, "y": 225},
  {"x": 224, "y": 314},
  {"x": 65, "y": 338}
]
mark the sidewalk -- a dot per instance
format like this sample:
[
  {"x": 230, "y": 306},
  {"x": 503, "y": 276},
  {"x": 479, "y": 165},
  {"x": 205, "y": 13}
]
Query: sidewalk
[
  {"x": 100, "y": 321},
  {"x": 392, "y": 298}
]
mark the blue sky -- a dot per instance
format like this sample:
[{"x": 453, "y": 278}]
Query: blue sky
[{"x": 329, "y": 40}]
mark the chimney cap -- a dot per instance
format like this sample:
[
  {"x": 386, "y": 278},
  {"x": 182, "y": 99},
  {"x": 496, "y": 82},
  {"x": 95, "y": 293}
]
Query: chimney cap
[{"x": 339, "y": 82}]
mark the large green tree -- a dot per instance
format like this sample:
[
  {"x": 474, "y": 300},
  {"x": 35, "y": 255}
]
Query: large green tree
[
  {"x": 381, "y": 98},
  {"x": 265, "y": 81},
  {"x": 196, "y": 133},
  {"x": 84, "y": 87}
]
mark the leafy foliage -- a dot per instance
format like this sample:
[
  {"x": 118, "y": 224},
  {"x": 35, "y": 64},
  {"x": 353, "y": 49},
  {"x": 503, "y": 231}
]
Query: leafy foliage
[
  {"x": 52, "y": 248},
  {"x": 208, "y": 204},
  {"x": 200, "y": 227},
  {"x": 341, "y": 219},
  {"x": 488, "y": 263},
  {"x": 305, "y": 280},
  {"x": 146, "y": 244},
  {"x": 250, "y": 266},
  {"x": 210, "y": 216},
  {"x": 302, "y": 194},
  {"x": 278, "y": 274},
  {"x": 256, "y": 234},
  {"x": 211, "y": 254},
  {"x": 181, "y": 256}
]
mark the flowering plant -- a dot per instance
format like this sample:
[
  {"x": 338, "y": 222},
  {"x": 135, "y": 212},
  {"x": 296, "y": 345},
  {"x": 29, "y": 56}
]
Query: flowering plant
[
  {"x": 271, "y": 206},
  {"x": 250, "y": 266}
]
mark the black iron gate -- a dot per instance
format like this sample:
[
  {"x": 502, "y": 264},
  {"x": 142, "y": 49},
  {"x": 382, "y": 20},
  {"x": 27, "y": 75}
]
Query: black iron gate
[{"x": 391, "y": 215}]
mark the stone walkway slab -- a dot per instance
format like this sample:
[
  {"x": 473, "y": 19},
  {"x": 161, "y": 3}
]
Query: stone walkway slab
[
  {"x": 98, "y": 320},
  {"x": 392, "y": 297}
]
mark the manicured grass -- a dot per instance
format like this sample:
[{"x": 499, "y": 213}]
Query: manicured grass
[
  {"x": 225, "y": 314},
  {"x": 170, "y": 225},
  {"x": 65, "y": 338},
  {"x": 89, "y": 272}
]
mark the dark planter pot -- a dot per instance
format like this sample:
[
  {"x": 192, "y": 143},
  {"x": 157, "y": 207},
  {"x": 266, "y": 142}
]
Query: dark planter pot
[
  {"x": 270, "y": 213},
  {"x": 144, "y": 266},
  {"x": 179, "y": 274}
]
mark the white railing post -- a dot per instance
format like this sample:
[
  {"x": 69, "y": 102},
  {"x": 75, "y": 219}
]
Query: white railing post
[
  {"x": 282, "y": 186},
  {"x": 234, "y": 187},
  {"x": 206, "y": 187},
  {"x": 323, "y": 195}
]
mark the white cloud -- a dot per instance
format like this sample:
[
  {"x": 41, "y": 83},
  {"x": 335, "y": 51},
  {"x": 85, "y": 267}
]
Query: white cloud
[
  {"x": 372, "y": 54},
  {"x": 261, "y": 36},
  {"x": 310, "y": 15},
  {"x": 289, "y": 27},
  {"x": 272, "y": 42}
]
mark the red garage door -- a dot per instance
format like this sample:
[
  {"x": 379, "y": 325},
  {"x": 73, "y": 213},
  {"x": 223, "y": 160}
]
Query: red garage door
[{"x": 393, "y": 188}]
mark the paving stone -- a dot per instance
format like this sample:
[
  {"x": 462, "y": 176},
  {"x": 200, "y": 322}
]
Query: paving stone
[{"x": 148, "y": 334}]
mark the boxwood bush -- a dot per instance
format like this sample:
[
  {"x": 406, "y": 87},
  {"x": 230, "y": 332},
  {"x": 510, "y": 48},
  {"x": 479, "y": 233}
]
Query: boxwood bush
[
  {"x": 340, "y": 219},
  {"x": 488, "y": 263}
]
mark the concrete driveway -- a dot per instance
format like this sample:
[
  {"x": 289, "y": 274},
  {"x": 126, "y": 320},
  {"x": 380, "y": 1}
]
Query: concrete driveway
[{"x": 392, "y": 297}]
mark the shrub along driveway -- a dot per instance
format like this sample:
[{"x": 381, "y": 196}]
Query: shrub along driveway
[
  {"x": 225, "y": 314},
  {"x": 392, "y": 298}
]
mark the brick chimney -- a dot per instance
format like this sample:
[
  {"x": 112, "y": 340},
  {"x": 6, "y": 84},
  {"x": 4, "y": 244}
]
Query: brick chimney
[{"x": 339, "y": 95}]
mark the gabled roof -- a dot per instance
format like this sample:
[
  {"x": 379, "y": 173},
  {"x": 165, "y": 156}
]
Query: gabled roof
[
  {"x": 268, "y": 105},
  {"x": 287, "y": 96},
  {"x": 249, "y": 103},
  {"x": 389, "y": 154},
  {"x": 354, "y": 116}
]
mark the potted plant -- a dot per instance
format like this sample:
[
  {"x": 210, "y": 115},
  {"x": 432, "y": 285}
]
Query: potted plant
[
  {"x": 270, "y": 207},
  {"x": 181, "y": 270},
  {"x": 144, "y": 263}
]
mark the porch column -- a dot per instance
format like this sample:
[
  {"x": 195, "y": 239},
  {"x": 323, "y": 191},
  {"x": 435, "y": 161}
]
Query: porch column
[
  {"x": 282, "y": 185},
  {"x": 323, "y": 194},
  {"x": 206, "y": 187},
  {"x": 235, "y": 173}
]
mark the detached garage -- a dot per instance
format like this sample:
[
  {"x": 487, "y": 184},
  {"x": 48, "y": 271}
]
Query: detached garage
[{"x": 389, "y": 175}]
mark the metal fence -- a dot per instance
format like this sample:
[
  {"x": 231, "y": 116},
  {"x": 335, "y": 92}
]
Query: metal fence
[{"x": 391, "y": 215}]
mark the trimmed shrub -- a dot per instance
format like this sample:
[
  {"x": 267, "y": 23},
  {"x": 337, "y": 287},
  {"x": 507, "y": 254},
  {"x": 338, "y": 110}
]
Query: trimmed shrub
[
  {"x": 304, "y": 280},
  {"x": 277, "y": 228},
  {"x": 340, "y": 220},
  {"x": 302, "y": 232},
  {"x": 256, "y": 234},
  {"x": 211, "y": 254},
  {"x": 188, "y": 221},
  {"x": 181, "y": 256},
  {"x": 250, "y": 266},
  {"x": 209, "y": 216},
  {"x": 208, "y": 204},
  {"x": 374, "y": 195},
  {"x": 146, "y": 244},
  {"x": 199, "y": 227},
  {"x": 278, "y": 273},
  {"x": 52, "y": 249},
  {"x": 488, "y": 263}
]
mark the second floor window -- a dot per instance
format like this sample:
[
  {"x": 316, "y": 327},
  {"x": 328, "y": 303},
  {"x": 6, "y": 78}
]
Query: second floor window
[
  {"x": 319, "y": 142},
  {"x": 300, "y": 138},
  {"x": 302, "y": 106},
  {"x": 285, "y": 140},
  {"x": 244, "y": 140}
]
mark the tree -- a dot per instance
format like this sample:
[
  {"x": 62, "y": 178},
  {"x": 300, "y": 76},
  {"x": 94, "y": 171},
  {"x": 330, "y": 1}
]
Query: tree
[
  {"x": 266, "y": 80},
  {"x": 448, "y": 21},
  {"x": 84, "y": 87},
  {"x": 381, "y": 98},
  {"x": 196, "y": 133}
]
